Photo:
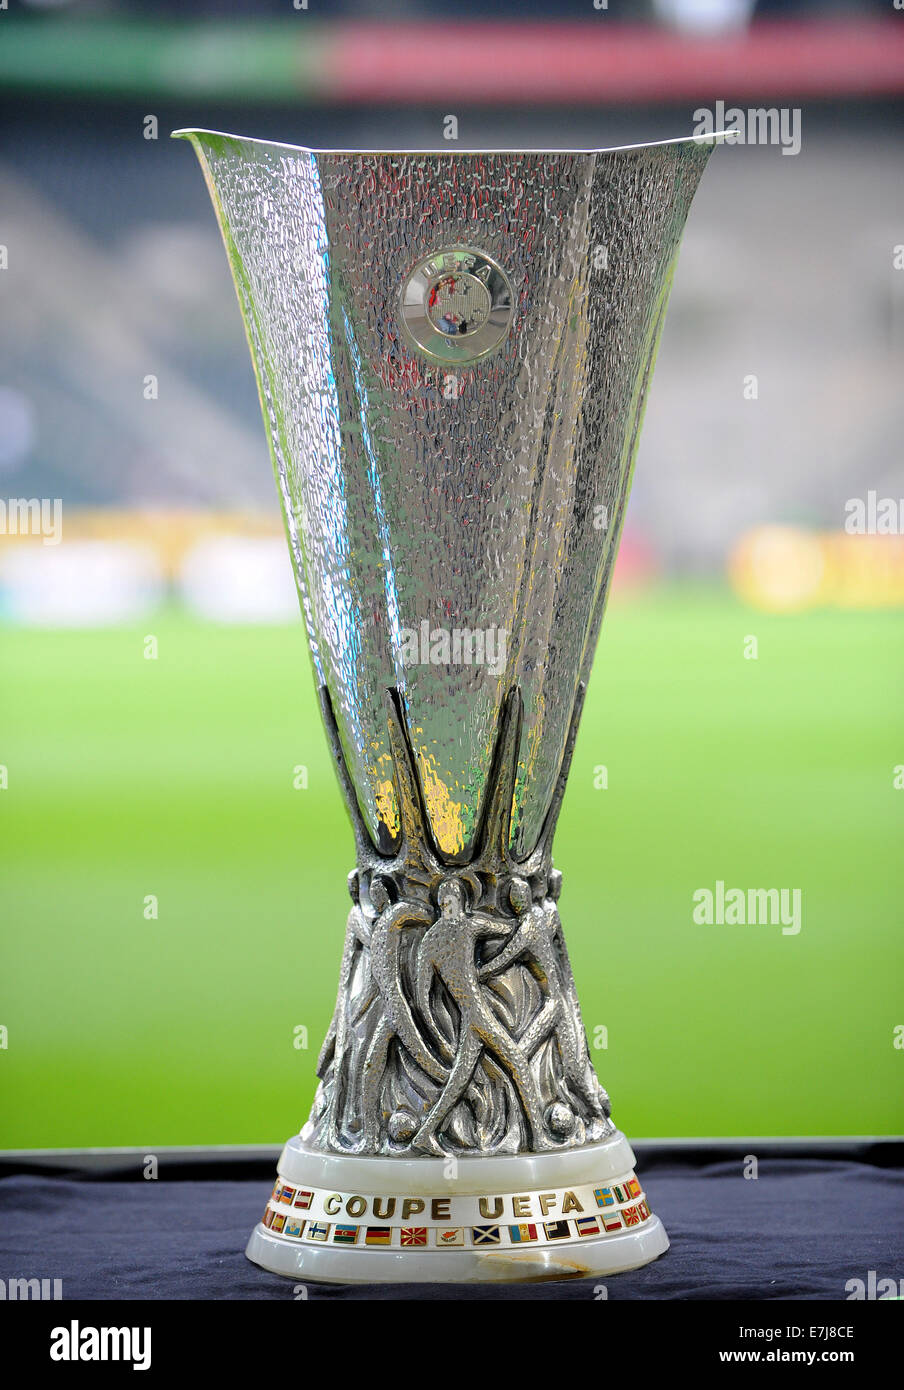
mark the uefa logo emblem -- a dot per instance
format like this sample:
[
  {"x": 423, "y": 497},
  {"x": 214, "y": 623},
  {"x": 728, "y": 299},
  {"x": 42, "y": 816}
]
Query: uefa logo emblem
[{"x": 457, "y": 305}]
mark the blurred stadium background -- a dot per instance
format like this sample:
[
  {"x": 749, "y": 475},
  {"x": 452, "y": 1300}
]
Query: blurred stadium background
[{"x": 177, "y": 776}]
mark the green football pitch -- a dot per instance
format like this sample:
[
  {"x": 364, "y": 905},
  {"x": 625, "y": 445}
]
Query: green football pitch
[{"x": 172, "y": 779}]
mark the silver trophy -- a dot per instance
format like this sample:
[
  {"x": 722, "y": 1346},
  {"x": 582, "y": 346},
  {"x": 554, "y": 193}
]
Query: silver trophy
[{"x": 453, "y": 353}]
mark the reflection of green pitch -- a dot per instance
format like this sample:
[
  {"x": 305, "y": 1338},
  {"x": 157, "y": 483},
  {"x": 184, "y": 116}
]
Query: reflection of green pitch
[{"x": 173, "y": 779}]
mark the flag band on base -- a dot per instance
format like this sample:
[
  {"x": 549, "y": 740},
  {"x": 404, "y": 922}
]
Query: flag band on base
[{"x": 460, "y": 1221}]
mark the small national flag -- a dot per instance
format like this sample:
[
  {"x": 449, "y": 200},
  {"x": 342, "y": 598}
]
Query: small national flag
[
  {"x": 450, "y": 1235},
  {"x": 278, "y": 1223},
  {"x": 378, "y": 1235},
  {"x": 286, "y": 1194},
  {"x": 414, "y": 1235},
  {"x": 604, "y": 1197},
  {"x": 345, "y": 1235},
  {"x": 621, "y": 1192},
  {"x": 612, "y": 1223},
  {"x": 631, "y": 1216},
  {"x": 485, "y": 1235},
  {"x": 318, "y": 1230},
  {"x": 303, "y": 1199},
  {"x": 644, "y": 1210},
  {"x": 520, "y": 1234},
  {"x": 588, "y": 1225},
  {"x": 632, "y": 1187},
  {"x": 268, "y": 1216},
  {"x": 293, "y": 1226},
  {"x": 557, "y": 1230}
]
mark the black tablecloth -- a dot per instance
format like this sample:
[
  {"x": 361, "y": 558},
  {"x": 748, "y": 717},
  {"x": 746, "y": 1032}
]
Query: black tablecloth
[{"x": 801, "y": 1230}]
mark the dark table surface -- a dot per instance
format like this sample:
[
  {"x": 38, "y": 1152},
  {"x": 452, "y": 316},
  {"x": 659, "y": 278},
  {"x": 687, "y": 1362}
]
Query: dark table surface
[{"x": 803, "y": 1228}]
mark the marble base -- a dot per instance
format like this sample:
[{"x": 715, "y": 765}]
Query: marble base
[{"x": 340, "y": 1218}]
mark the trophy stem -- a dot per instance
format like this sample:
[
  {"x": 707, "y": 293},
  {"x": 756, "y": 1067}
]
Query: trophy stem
[
  {"x": 457, "y": 1028},
  {"x": 458, "y": 1110}
]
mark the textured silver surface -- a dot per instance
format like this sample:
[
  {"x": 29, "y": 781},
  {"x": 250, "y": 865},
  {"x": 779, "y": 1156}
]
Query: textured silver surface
[
  {"x": 406, "y": 505},
  {"x": 453, "y": 526}
]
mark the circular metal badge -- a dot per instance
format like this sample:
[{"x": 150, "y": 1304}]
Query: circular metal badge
[{"x": 457, "y": 305}]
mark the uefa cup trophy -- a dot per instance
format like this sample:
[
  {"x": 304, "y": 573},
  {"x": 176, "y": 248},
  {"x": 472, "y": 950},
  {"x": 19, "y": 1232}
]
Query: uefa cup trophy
[{"x": 453, "y": 353}]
